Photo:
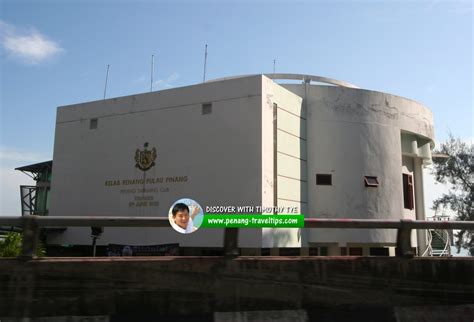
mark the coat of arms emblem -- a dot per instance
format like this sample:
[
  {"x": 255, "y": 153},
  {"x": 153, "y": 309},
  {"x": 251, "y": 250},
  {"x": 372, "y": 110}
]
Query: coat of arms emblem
[{"x": 145, "y": 159}]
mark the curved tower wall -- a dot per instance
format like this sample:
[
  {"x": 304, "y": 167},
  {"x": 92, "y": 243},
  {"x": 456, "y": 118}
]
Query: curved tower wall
[{"x": 352, "y": 133}]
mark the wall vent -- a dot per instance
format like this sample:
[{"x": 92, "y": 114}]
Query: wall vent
[
  {"x": 93, "y": 124},
  {"x": 206, "y": 108},
  {"x": 324, "y": 179}
]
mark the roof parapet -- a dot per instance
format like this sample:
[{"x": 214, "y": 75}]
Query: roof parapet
[{"x": 303, "y": 77}]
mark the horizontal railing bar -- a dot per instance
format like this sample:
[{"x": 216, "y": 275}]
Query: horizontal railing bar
[
  {"x": 351, "y": 223},
  {"x": 115, "y": 221},
  {"x": 386, "y": 224},
  {"x": 10, "y": 221},
  {"x": 424, "y": 224},
  {"x": 101, "y": 221}
]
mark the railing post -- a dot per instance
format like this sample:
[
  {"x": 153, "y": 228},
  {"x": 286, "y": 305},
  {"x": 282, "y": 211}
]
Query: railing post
[
  {"x": 404, "y": 248},
  {"x": 30, "y": 237},
  {"x": 231, "y": 237}
]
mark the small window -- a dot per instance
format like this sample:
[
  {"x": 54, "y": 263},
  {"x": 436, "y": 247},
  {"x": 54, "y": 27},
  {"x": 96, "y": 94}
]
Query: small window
[
  {"x": 324, "y": 179},
  {"x": 355, "y": 251},
  {"x": 371, "y": 181},
  {"x": 379, "y": 251},
  {"x": 313, "y": 251},
  {"x": 323, "y": 251},
  {"x": 93, "y": 124},
  {"x": 408, "y": 191},
  {"x": 206, "y": 108},
  {"x": 343, "y": 251}
]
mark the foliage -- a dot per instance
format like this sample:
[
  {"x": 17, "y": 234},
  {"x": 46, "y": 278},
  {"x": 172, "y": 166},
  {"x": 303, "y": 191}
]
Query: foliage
[
  {"x": 458, "y": 171},
  {"x": 11, "y": 246}
]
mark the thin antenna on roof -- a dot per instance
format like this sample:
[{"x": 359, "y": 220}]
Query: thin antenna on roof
[
  {"x": 106, "y": 79},
  {"x": 205, "y": 65},
  {"x": 152, "y": 70},
  {"x": 274, "y": 63}
]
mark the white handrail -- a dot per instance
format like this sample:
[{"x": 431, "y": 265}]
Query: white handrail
[
  {"x": 445, "y": 251},
  {"x": 429, "y": 250}
]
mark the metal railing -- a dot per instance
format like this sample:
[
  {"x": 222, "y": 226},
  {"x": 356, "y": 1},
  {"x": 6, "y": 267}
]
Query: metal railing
[
  {"x": 31, "y": 225},
  {"x": 443, "y": 236},
  {"x": 34, "y": 200},
  {"x": 428, "y": 250}
]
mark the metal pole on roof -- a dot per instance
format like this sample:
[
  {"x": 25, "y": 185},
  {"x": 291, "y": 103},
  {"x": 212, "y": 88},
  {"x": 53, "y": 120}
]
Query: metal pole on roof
[
  {"x": 106, "y": 79},
  {"x": 152, "y": 70},
  {"x": 205, "y": 65}
]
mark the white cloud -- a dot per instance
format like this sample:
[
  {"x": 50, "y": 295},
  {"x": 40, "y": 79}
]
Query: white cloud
[
  {"x": 8, "y": 155},
  {"x": 166, "y": 82},
  {"x": 144, "y": 81},
  {"x": 29, "y": 46},
  {"x": 139, "y": 80}
]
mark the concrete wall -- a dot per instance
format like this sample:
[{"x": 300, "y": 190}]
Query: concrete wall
[
  {"x": 192, "y": 285},
  {"x": 218, "y": 154},
  {"x": 354, "y": 133},
  {"x": 288, "y": 135}
]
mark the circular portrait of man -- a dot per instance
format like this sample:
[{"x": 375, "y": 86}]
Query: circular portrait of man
[{"x": 185, "y": 216}]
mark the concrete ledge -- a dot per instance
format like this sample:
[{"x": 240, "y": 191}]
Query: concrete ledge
[{"x": 203, "y": 285}]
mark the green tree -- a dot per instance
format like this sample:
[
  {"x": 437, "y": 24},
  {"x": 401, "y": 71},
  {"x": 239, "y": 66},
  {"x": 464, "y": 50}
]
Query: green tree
[
  {"x": 457, "y": 169},
  {"x": 11, "y": 246}
]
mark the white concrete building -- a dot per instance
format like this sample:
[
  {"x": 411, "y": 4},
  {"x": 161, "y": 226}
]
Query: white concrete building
[{"x": 329, "y": 148}]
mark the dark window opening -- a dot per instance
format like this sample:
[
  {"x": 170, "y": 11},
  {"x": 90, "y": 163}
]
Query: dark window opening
[
  {"x": 287, "y": 251},
  {"x": 343, "y": 251},
  {"x": 379, "y": 251},
  {"x": 211, "y": 252},
  {"x": 355, "y": 251},
  {"x": 324, "y": 179},
  {"x": 413, "y": 249},
  {"x": 93, "y": 124},
  {"x": 318, "y": 251},
  {"x": 408, "y": 191},
  {"x": 206, "y": 108},
  {"x": 371, "y": 181}
]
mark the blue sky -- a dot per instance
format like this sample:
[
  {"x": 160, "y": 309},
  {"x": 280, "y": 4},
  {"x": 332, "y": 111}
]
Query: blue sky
[{"x": 55, "y": 53}]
